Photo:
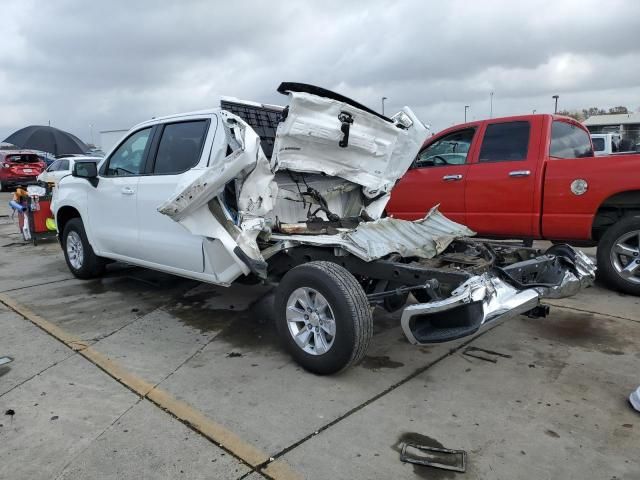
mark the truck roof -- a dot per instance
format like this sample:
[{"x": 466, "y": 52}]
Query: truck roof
[{"x": 512, "y": 118}]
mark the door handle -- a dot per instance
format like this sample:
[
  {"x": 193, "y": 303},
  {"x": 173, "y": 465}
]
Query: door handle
[
  {"x": 127, "y": 191},
  {"x": 520, "y": 173},
  {"x": 452, "y": 178}
]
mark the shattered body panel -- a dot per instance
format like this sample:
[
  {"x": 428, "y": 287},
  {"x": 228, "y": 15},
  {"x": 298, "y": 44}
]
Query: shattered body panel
[
  {"x": 369, "y": 241},
  {"x": 244, "y": 194}
]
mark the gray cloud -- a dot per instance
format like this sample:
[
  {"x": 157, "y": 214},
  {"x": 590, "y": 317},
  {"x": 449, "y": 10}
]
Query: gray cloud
[{"x": 113, "y": 64}]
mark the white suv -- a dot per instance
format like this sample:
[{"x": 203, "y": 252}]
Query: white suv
[{"x": 195, "y": 195}]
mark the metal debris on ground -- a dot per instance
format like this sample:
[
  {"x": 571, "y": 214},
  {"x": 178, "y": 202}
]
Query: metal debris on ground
[
  {"x": 442, "y": 458},
  {"x": 634, "y": 399},
  {"x": 5, "y": 360},
  {"x": 476, "y": 352}
]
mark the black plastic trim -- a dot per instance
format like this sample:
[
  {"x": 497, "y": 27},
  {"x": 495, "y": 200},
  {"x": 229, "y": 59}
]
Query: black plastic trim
[{"x": 286, "y": 87}]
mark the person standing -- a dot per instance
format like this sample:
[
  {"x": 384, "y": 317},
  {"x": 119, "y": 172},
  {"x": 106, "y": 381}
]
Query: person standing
[{"x": 17, "y": 201}]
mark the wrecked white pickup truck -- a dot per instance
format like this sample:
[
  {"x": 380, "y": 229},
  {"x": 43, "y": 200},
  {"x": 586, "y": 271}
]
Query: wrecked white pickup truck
[{"x": 296, "y": 196}]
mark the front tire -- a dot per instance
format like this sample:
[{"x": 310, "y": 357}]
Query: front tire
[
  {"x": 323, "y": 317},
  {"x": 619, "y": 256},
  {"x": 81, "y": 259}
]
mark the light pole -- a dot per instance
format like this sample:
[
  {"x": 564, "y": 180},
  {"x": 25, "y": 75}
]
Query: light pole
[
  {"x": 466, "y": 107},
  {"x": 555, "y": 97},
  {"x": 383, "y": 99},
  {"x": 534, "y": 111},
  {"x": 491, "y": 105}
]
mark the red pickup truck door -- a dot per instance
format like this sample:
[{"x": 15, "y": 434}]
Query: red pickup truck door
[
  {"x": 501, "y": 182},
  {"x": 576, "y": 183},
  {"x": 436, "y": 177}
]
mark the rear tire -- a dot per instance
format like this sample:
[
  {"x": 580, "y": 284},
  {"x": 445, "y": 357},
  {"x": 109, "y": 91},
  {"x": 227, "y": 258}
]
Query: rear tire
[
  {"x": 80, "y": 257},
  {"x": 323, "y": 317},
  {"x": 619, "y": 256}
]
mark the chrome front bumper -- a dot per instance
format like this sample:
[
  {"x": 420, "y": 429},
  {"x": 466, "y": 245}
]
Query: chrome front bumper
[{"x": 486, "y": 298}]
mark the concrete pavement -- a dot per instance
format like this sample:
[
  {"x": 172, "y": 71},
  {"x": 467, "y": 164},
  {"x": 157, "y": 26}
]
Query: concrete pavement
[{"x": 168, "y": 370}]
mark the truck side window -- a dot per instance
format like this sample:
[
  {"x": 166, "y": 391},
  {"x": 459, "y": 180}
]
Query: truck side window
[
  {"x": 128, "y": 159},
  {"x": 569, "y": 141},
  {"x": 598, "y": 144},
  {"x": 504, "y": 142},
  {"x": 452, "y": 149},
  {"x": 180, "y": 147}
]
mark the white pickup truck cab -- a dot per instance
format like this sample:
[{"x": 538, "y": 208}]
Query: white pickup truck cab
[
  {"x": 197, "y": 196},
  {"x": 606, "y": 143}
]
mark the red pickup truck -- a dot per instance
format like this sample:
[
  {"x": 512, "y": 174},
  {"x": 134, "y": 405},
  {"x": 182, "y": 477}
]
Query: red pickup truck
[{"x": 531, "y": 177}]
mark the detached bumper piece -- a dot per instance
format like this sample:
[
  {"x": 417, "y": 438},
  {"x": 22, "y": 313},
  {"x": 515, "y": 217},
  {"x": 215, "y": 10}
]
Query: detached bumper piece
[{"x": 507, "y": 292}]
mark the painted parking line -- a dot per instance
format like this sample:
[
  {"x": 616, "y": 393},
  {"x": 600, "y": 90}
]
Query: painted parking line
[{"x": 217, "y": 433}]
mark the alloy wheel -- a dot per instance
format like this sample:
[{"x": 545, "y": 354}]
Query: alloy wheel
[
  {"x": 75, "y": 250},
  {"x": 311, "y": 321},
  {"x": 625, "y": 256}
]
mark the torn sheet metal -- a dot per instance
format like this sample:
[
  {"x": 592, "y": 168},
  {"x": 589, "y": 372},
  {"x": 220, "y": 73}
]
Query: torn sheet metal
[
  {"x": 423, "y": 238},
  {"x": 435, "y": 457},
  {"x": 319, "y": 174},
  {"x": 378, "y": 153},
  {"x": 249, "y": 169}
]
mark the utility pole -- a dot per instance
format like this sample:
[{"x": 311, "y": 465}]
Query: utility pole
[
  {"x": 491, "y": 105},
  {"x": 383, "y": 99},
  {"x": 466, "y": 107},
  {"x": 555, "y": 97}
]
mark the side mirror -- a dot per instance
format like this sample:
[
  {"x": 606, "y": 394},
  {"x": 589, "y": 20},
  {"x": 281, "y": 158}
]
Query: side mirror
[{"x": 88, "y": 170}]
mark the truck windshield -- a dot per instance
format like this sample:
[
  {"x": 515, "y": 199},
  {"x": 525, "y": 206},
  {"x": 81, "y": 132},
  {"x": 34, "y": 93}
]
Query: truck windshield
[{"x": 569, "y": 141}]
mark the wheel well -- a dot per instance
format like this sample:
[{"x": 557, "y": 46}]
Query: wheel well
[
  {"x": 613, "y": 209},
  {"x": 64, "y": 215}
]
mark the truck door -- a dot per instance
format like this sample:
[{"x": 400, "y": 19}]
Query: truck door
[
  {"x": 436, "y": 177},
  {"x": 112, "y": 205},
  {"x": 177, "y": 150},
  {"x": 568, "y": 214},
  {"x": 501, "y": 181}
]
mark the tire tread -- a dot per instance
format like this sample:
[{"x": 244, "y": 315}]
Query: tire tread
[{"x": 354, "y": 301}]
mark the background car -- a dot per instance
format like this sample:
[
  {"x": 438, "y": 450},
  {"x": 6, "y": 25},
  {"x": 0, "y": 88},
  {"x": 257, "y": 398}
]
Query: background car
[
  {"x": 19, "y": 166},
  {"x": 62, "y": 167}
]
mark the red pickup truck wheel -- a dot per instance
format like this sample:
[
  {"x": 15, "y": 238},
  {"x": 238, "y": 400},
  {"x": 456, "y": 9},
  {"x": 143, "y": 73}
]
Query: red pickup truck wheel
[{"x": 619, "y": 256}]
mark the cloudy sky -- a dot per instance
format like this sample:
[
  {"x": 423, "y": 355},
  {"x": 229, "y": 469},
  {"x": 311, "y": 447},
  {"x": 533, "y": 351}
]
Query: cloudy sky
[{"x": 103, "y": 65}]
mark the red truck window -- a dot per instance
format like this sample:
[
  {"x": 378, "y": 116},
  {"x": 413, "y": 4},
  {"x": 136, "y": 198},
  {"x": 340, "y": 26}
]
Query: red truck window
[
  {"x": 569, "y": 141},
  {"x": 452, "y": 149},
  {"x": 504, "y": 142}
]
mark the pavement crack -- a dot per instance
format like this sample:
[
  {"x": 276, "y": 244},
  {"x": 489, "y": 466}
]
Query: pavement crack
[
  {"x": 376, "y": 397},
  {"x": 93, "y": 440},
  {"x": 198, "y": 351},
  {"x": 583, "y": 310},
  {"x": 37, "y": 285},
  {"x": 39, "y": 373}
]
